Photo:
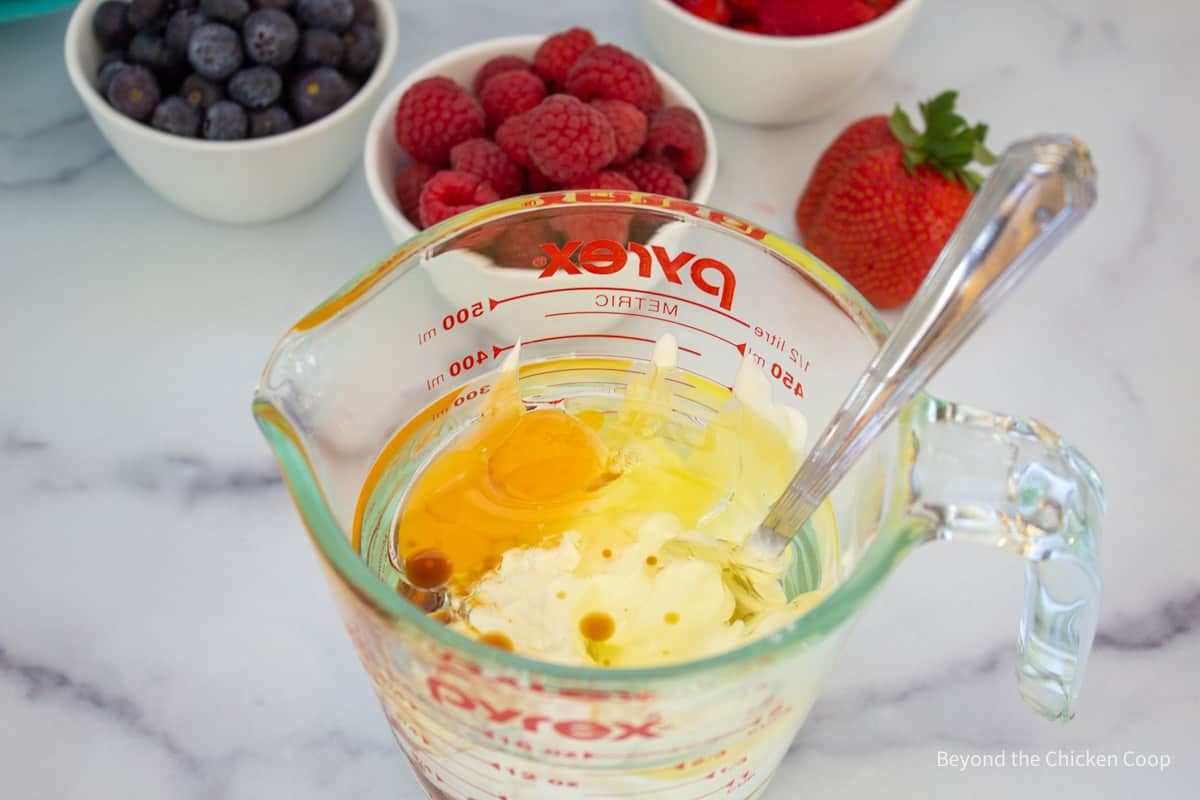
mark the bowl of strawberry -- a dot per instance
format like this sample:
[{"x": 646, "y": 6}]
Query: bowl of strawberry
[
  {"x": 528, "y": 114},
  {"x": 775, "y": 62},
  {"x": 236, "y": 110}
]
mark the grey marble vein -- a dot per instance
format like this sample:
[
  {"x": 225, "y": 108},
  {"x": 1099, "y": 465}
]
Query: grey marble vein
[
  {"x": 41, "y": 682},
  {"x": 190, "y": 477},
  {"x": 17, "y": 443},
  {"x": 58, "y": 177},
  {"x": 1178, "y": 617},
  {"x": 1127, "y": 387},
  {"x": 194, "y": 479},
  {"x": 1154, "y": 629},
  {"x": 28, "y": 134}
]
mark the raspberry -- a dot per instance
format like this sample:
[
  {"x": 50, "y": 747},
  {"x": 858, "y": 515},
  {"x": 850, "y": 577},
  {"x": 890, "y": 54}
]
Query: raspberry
[
  {"x": 520, "y": 243},
  {"x": 409, "y": 183},
  {"x": 809, "y": 17},
  {"x": 513, "y": 138},
  {"x": 485, "y": 160},
  {"x": 496, "y": 66},
  {"x": 610, "y": 72},
  {"x": 568, "y": 138},
  {"x": 588, "y": 224},
  {"x": 434, "y": 115},
  {"x": 676, "y": 139},
  {"x": 448, "y": 193},
  {"x": 605, "y": 180},
  {"x": 629, "y": 125},
  {"x": 539, "y": 182},
  {"x": 556, "y": 55},
  {"x": 510, "y": 93},
  {"x": 657, "y": 178}
]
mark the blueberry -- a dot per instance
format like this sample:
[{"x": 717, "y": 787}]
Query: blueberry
[
  {"x": 333, "y": 15},
  {"x": 215, "y": 51},
  {"x": 109, "y": 56},
  {"x": 318, "y": 92},
  {"x": 107, "y": 72},
  {"x": 134, "y": 92},
  {"x": 110, "y": 23},
  {"x": 200, "y": 91},
  {"x": 178, "y": 116},
  {"x": 231, "y": 11},
  {"x": 364, "y": 12},
  {"x": 271, "y": 37},
  {"x": 255, "y": 87},
  {"x": 270, "y": 121},
  {"x": 225, "y": 121},
  {"x": 180, "y": 27},
  {"x": 280, "y": 4},
  {"x": 320, "y": 48},
  {"x": 362, "y": 49},
  {"x": 151, "y": 51},
  {"x": 144, "y": 13}
]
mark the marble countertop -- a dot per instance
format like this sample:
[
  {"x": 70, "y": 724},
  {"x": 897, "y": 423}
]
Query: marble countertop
[{"x": 165, "y": 632}]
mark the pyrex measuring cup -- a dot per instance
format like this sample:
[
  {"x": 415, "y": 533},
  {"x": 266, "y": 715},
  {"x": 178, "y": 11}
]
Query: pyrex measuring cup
[{"x": 605, "y": 274}]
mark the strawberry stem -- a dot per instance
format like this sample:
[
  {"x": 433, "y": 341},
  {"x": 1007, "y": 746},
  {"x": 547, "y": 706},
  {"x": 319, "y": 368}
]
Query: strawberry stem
[{"x": 948, "y": 144}]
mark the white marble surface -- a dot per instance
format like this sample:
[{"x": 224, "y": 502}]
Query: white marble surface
[{"x": 164, "y": 631}]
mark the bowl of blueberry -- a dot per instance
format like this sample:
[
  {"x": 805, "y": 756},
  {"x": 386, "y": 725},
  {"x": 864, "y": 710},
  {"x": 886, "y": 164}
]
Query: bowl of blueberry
[{"x": 236, "y": 110}]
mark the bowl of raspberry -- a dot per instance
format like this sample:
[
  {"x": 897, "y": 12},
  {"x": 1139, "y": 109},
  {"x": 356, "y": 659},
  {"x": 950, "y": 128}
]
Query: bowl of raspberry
[
  {"x": 775, "y": 62},
  {"x": 528, "y": 114},
  {"x": 239, "y": 111}
]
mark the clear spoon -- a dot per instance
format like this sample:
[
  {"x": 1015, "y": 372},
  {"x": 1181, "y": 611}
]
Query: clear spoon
[{"x": 1038, "y": 191}]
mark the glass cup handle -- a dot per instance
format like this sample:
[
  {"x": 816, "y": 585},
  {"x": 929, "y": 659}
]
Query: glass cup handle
[{"x": 1013, "y": 483}]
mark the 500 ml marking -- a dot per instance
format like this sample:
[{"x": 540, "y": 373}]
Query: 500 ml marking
[
  {"x": 452, "y": 320},
  {"x": 457, "y": 367}
]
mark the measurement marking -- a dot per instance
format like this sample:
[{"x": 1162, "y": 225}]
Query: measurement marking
[
  {"x": 492, "y": 302},
  {"x": 730, "y": 785},
  {"x": 679, "y": 381},
  {"x": 458, "y": 764},
  {"x": 474, "y": 786},
  {"x": 582, "y": 369},
  {"x": 703, "y": 405},
  {"x": 741, "y": 348},
  {"x": 497, "y": 349}
]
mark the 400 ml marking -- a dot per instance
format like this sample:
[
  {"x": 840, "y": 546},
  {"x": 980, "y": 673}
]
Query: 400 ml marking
[{"x": 457, "y": 367}]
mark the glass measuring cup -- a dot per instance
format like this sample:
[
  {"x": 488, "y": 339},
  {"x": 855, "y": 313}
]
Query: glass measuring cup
[{"x": 412, "y": 343}]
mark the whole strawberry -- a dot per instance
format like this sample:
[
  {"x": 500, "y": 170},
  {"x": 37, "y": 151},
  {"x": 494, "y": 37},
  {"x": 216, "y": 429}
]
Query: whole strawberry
[
  {"x": 813, "y": 17},
  {"x": 883, "y": 199}
]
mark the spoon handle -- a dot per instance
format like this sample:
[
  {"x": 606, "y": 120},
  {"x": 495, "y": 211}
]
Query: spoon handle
[{"x": 1039, "y": 189}]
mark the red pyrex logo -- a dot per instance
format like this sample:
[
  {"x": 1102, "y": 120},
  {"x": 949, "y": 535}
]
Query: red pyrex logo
[
  {"x": 585, "y": 730},
  {"x": 605, "y": 256}
]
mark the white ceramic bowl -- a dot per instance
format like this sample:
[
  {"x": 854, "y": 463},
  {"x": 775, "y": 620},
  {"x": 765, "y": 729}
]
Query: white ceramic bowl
[
  {"x": 245, "y": 181},
  {"x": 384, "y": 157},
  {"x": 770, "y": 80}
]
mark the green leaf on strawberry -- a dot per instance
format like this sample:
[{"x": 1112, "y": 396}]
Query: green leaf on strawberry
[{"x": 948, "y": 145}]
